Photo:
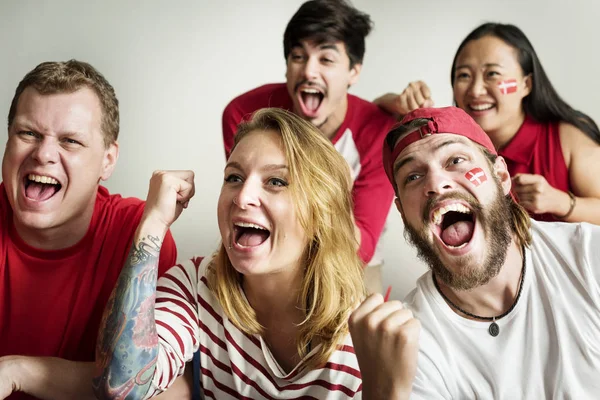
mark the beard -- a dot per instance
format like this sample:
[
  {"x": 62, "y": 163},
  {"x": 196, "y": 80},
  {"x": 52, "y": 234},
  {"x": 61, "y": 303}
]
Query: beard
[{"x": 496, "y": 222}]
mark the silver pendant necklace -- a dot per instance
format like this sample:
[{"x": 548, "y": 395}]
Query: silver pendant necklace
[{"x": 494, "y": 329}]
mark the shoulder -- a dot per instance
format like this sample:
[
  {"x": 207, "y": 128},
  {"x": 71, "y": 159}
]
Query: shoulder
[
  {"x": 269, "y": 95},
  {"x": 573, "y": 140},
  {"x": 123, "y": 208},
  {"x": 367, "y": 117},
  {"x": 574, "y": 246}
]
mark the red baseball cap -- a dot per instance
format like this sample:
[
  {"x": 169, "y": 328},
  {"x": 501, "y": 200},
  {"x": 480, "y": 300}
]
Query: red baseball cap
[{"x": 452, "y": 120}]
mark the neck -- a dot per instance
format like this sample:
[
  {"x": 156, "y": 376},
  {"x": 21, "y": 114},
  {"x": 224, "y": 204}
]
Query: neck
[
  {"x": 495, "y": 297},
  {"x": 333, "y": 122},
  {"x": 503, "y": 135},
  {"x": 275, "y": 297},
  {"x": 57, "y": 237}
]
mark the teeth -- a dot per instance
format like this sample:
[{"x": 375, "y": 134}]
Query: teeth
[
  {"x": 249, "y": 225},
  {"x": 314, "y": 91},
  {"x": 42, "y": 179},
  {"x": 440, "y": 212},
  {"x": 481, "y": 107},
  {"x": 458, "y": 247}
]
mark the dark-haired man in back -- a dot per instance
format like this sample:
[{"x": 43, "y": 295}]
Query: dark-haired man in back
[{"x": 324, "y": 45}]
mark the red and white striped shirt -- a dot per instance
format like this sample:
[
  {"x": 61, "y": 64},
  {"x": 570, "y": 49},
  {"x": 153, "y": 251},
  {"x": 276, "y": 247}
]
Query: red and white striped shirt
[{"x": 234, "y": 365}]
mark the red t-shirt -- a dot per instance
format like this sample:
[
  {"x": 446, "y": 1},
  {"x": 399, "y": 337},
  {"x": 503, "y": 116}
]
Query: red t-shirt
[
  {"x": 51, "y": 301},
  {"x": 359, "y": 140},
  {"x": 536, "y": 149}
]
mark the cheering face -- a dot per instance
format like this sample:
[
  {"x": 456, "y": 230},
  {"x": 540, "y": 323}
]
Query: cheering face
[
  {"x": 318, "y": 77},
  {"x": 257, "y": 215},
  {"x": 489, "y": 83},
  {"x": 454, "y": 208},
  {"x": 54, "y": 158}
]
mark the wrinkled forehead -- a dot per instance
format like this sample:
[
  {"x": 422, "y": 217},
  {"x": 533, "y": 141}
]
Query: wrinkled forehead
[{"x": 429, "y": 147}]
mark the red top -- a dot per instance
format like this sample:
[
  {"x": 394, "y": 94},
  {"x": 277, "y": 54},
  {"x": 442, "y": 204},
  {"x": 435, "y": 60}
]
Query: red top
[
  {"x": 51, "y": 301},
  {"x": 359, "y": 140},
  {"x": 536, "y": 149}
]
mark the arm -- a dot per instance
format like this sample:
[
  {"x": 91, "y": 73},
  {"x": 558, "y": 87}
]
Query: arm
[
  {"x": 372, "y": 195},
  {"x": 46, "y": 378},
  {"x": 581, "y": 155},
  {"x": 231, "y": 118},
  {"x": 386, "y": 342},
  {"x": 128, "y": 346},
  {"x": 415, "y": 95},
  {"x": 584, "y": 174}
]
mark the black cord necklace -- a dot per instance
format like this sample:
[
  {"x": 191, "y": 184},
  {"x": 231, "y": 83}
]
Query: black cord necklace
[{"x": 494, "y": 329}]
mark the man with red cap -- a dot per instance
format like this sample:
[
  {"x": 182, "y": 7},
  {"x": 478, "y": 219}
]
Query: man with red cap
[{"x": 511, "y": 307}]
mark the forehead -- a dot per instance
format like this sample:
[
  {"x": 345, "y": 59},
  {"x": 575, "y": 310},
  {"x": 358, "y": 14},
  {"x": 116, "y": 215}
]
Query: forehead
[
  {"x": 314, "y": 45},
  {"x": 488, "y": 49},
  {"x": 259, "y": 147},
  {"x": 77, "y": 111},
  {"x": 430, "y": 147}
]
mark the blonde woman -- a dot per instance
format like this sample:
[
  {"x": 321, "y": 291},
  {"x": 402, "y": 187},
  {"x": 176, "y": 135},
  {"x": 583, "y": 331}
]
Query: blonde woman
[{"x": 269, "y": 310}]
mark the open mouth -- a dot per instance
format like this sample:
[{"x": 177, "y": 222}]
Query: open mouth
[
  {"x": 40, "y": 187},
  {"x": 250, "y": 235},
  {"x": 455, "y": 224},
  {"x": 311, "y": 99},
  {"x": 481, "y": 107}
]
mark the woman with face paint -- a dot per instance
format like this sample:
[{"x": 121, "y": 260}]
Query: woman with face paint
[
  {"x": 551, "y": 149},
  {"x": 269, "y": 310}
]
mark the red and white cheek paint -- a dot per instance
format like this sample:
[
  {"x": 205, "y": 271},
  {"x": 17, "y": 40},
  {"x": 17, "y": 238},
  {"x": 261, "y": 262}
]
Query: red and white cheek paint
[
  {"x": 507, "y": 86},
  {"x": 476, "y": 176}
]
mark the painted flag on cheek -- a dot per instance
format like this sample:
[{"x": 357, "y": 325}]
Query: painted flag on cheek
[
  {"x": 507, "y": 86},
  {"x": 476, "y": 176}
]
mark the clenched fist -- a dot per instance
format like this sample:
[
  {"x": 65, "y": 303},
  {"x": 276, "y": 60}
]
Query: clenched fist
[{"x": 386, "y": 343}]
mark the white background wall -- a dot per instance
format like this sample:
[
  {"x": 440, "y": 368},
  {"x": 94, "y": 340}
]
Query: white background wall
[{"x": 176, "y": 64}]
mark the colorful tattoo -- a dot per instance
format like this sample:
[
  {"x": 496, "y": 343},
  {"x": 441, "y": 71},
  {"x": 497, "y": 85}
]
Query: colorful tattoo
[
  {"x": 476, "y": 176},
  {"x": 127, "y": 348}
]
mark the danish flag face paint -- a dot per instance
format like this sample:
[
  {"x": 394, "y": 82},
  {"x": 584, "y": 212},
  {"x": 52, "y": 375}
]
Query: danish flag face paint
[
  {"x": 476, "y": 176},
  {"x": 507, "y": 86}
]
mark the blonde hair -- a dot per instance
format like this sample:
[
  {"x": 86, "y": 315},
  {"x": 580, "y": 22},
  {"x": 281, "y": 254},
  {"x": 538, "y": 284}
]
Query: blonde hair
[
  {"x": 67, "y": 77},
  {"x": 332, "y": 282}
]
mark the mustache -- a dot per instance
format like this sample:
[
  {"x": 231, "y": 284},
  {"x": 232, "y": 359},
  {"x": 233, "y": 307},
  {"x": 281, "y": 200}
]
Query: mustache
[
  {"x": 306, "y": 82},
  {"x": 432, "y": 202}
]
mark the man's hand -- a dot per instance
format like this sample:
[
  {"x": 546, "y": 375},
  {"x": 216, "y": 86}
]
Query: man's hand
[
  {"x": 46, "y": 378},
  {"x": 386, "y": 343},
  {"x": 538, "y": 196},
  {"x": 8, "y": 375},
  {"x": 415, "y": 95},
  {"x": 169, "y": 193}
]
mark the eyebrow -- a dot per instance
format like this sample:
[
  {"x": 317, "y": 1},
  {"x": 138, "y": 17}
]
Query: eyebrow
[
  {"x": 268, "y": 167},
  {"x": 485, "y": 65},
  {"x": 437, "y": 148},
  {"x": 329, "y": 46}
]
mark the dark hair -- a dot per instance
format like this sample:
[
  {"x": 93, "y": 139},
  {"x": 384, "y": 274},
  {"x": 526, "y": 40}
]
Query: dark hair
[
  {"x": 543, "y": 103},
  {"x": 327, "y": 21},
  {"x": 67, "y": 77}
]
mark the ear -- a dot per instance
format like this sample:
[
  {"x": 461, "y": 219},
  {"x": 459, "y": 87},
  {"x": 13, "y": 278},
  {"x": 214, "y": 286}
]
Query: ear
[
  {"x": 354, "y": 74},
  {"x": 111, "y": 155},
  {"x": 528, "y": 81},
  {"x": 399, "y": 207},
  {"x": 501, "y": 171}
]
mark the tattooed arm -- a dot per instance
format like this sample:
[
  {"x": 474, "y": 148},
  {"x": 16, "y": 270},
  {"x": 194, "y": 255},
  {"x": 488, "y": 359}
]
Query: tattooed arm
[{"x": 127, "y": 348}]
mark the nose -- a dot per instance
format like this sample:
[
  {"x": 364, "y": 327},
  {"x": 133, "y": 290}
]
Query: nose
[
  {"x": 311, "y": 68},
  {"x": 249, "y": 195},
  {"x": 438, "y": 183},
  {"x": 477, "y": 87},
  {"x": 46, "y": 151}
]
